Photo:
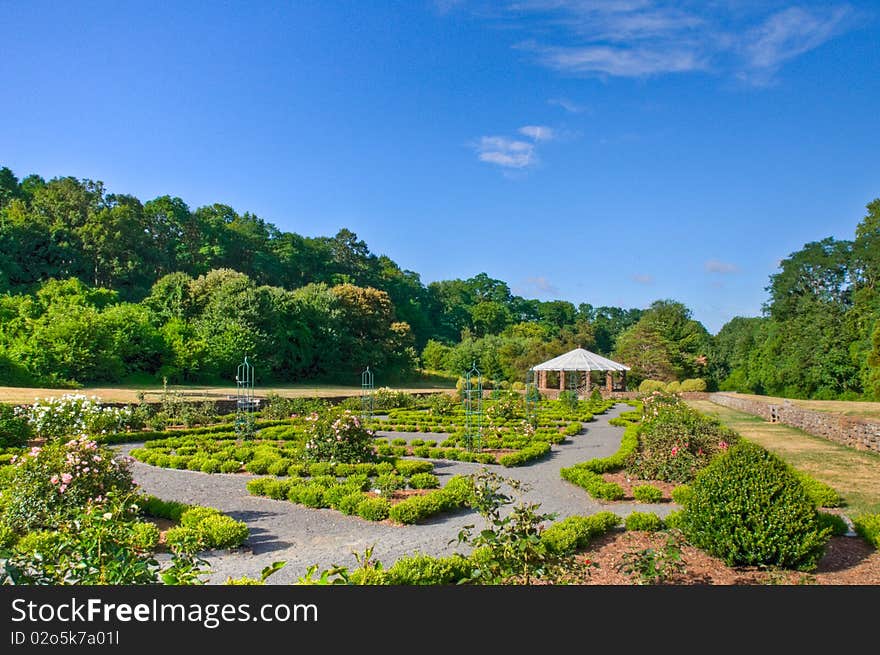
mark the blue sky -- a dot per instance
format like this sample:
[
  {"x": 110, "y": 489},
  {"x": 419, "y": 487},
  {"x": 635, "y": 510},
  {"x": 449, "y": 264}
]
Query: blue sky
[{"x": 606, "y": 152}]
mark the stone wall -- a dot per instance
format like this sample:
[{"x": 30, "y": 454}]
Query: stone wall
[{"x": 858, "y": 433}]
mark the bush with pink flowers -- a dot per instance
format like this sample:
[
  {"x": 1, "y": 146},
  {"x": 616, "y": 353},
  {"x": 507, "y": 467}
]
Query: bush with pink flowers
[
  {"x": 53, "y": 482},
  {"x": 338, "y": 438},
  {"x": 676, "y": 441}
]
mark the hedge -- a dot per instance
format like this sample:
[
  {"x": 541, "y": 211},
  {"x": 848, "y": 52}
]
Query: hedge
[
  {"x": 592, "y": 482},
  {"x": 526, "y": 455},
  {"x": 569, "y": 534},
  {"x": 645, "y": 521},
  {"x": 868, "y": 527}
]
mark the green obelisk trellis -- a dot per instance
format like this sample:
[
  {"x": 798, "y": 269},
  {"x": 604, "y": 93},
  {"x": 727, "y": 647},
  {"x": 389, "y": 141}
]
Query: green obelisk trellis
[
  {"x": 367, "y": 390},
  {"x": 532, "y": 396},
  {"x": 473, "y": 409},
  {"x": 244, "y": 400}
]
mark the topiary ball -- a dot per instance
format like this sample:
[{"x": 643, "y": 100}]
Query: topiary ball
[{"x": 747, "y": 508}]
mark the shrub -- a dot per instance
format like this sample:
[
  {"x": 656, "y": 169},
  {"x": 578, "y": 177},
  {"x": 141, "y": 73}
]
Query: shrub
[
  {"x": 15, "y": 430},
  {"x": 52, "y": 483},
  {"x": 647, "y": 493},
  {"x": 145, "y": 536},
  {"x": 38, "y": 541},
  {"x": 681, "y": 494},
  {"x": 424, "y": 481},
  {"x": 338, "y": 437},
  {"x": 260, "y": 465},
  {"x": 193, "y": 517},
  {"x": 649, "y": 386},
  {"x": 421, "y": 451},
  {"x": 644, "y": 521},
  {"x": 210, "y": 466},
  {"x": 693, "y": 384},
  {"x": 373, "y": 509},
  {"x": 748, "y": 509},
  {"x": 868, "y": 527},
  {"x": 408, "y": 467},
  {"x": 279, "y": 467},
  {"x": 222, "y": 531},
  {"x": 833, "y": 522},
  {"x": 388, "y": 483},
  {"x": 628, "y": 444},
  {"x": 8, "y": 537},
  {"x": 230, "y": 466},
  {"x": 567, "y": 535},
  {"x": 525, "y": 455},
  {"x": 416, "y": 508},
  {"x": 592, "y": 482},
  {"x": 321, "y": 468},
  {"x": 820, "y": 493},
  {"x": 426, "y": 570},
  {"x": 673, "y": 520},
  {"x": 349, "y": 504},
  {"x": 312, "y": 495},
  {"x": 673, "y": 387},
  {"x": 163, "y": 509},
  {"x": 676, "y": 441}
]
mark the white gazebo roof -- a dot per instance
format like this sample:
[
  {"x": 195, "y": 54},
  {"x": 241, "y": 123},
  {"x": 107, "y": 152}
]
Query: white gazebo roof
[{"x": 580, "y": 360}]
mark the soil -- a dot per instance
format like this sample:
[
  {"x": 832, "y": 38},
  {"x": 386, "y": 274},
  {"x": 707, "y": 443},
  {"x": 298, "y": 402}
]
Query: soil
[
  {"x": 164, "y": 525},
  {"x": 847, "y": 561},
  {"x": 627, "y": 483}
]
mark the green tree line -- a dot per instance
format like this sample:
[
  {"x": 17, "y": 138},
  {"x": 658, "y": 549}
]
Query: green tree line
[{"x": 102, "y": 287}]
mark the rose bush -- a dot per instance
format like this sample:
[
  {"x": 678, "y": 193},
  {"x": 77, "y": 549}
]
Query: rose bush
[{"x": 339, "y": 438}]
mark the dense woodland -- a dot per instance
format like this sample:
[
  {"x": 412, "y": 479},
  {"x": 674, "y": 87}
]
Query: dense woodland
[{"x": 102, "y": 287}]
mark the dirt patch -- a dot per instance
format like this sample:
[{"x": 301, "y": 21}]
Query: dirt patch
[
  {"x": 847, "y": 561},
  {"x": 627, "y": 483}
]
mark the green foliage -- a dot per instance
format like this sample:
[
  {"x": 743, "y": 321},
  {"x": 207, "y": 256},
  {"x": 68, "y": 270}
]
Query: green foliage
[
  {"x": 162, "y": 509},
  {"x": 575, "y": 532},
  {"x": 338, "y": 437},
  {"x": 693, "y": 384},
  {"x": 15, "y": 429},
  {"x": 833, "y": 522},
  {"x": 457, "y": 493},
  {"x": 526, "y": 455},
  {"x": 867, "y": 526},
  {"x": 647, "y": 493},
  {"x": 52, "y": 483},
  {"x": 674, "y": 520},
  {"x": 592, "y": 482},
  {"x": 373, "y": 509},
  {"x": 676, "y": 441},
  {"x": 424, "y": 481},
  {"x": 748, "y": 509},
  {"x": 649, "y": 386},
  {"x": 425, "y": 570},
  {"x": 820, "y": 493},
  {"x": 681, "y": 494},
  {"x": 203, "y": 528},
  {"x": 144, "y": 536},
  {"x": 652, "y": 566},
  {"x": 645, "y": 521},
  {"x": 408, "y": 467}
]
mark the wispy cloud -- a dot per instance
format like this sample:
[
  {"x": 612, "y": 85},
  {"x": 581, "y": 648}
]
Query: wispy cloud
[
  {"x": 513, "y": 152},
  {"x": 568, "y": 105},
  {"x": 538, "y": 132},
  {"x": 537, "y": 286},
  {"x": 723, "y": 268},
  {"x": 643, "y": 38},
  {"x": 642, "y": 278}
]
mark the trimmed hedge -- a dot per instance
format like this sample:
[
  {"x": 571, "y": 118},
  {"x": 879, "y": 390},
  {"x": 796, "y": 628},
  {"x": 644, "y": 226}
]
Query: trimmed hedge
[
  {"x": 526, "y": 455},
  {"x": 820, "y": 493},
  {"x": 868, "y": 527},
  {"x": 457, "y": 493},
  {"x": 569, "y": 534},
  {"x": 592, "y": 482},
  {"x": 617, "y": 461},
  {"x": 645, "y": 521},
  {"x": 681, "y": 494},
  {"x": 647, "y": 493},
  {"x": 426, "y": 570}
]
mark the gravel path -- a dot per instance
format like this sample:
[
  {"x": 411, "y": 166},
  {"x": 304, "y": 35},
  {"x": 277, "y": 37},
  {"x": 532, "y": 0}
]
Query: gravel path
[{"x": 283, "y": 531}]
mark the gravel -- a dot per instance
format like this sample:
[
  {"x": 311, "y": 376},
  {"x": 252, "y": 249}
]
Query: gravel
[{"x": 280, "y": 530}]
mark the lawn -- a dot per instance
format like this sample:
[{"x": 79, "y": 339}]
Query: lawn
[
  {"x": 853, "y": 473},
  {"x": 855, "y": 408}
]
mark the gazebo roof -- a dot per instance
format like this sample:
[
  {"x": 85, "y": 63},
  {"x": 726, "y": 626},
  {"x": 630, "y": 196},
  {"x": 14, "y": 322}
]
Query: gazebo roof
[{"x": 580, "y": 360}]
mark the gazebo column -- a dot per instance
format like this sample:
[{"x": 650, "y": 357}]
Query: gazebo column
[
  {"x": 609, "y": 381},
  {"x": 562, "y": 380},
  {"x": 623, "y": 380}
]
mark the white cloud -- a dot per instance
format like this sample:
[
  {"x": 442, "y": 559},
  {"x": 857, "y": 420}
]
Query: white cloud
[
  {"x": 620, "y": 62},
  {"x": 538, "y": 132},
  {"x": 717, "y": 266},
  {"x": 512, "y": 152},
  {"x": 642, "y": 278},
  {"x": 788, "y": 34},
  {"x": 508, "y": 153}
]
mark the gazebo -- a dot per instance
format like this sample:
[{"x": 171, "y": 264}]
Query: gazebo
[{"x": 572, "y": 365}]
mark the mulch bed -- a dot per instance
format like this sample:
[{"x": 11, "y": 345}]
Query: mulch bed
[
  {"x": 847, "y": 561},
  {"x": 627, "y": 483}
]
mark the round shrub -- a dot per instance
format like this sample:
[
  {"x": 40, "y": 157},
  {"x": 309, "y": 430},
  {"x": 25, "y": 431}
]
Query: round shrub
[
  {"x": 144, "y": 536},
  {"x": 194, "y": 516},
  {"x": 644, "y": 521},
  {"x": 221, "y": 531},
  {"x": 349, "y": 504},
  {"x": 312, "y": 495},
  {"x": 210, "y": 466},
  {"x": 374, "y": 509},
  {"x": 646, "y": 493},
  {"x": 230, "y": 466},
  {"x": 279, "y": 467},
  {"x": 747, "y": 508},
  {"x": 338, "y": 437},
  {"x": 424, "y": 481},
  {"x": 672, "y": 521},
  {"x": 681, "y": 494},
  {"x": 649, "y": 386},
  {"x": 15, "y": 429},
  {"x": 693, "y": 384}
]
